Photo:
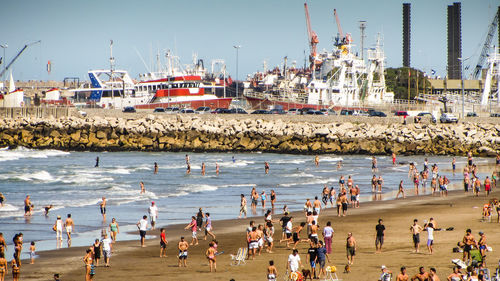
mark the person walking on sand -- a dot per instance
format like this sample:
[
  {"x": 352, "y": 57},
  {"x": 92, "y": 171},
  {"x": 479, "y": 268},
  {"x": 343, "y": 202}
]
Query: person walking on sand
[
  {"x": 69, "y": 224},
  {"x": 487, "y": 185},
  {"x": 327, "y": 236},
  {"x": 183, "y": 252},
  {"x": 272, "y": 272},
  {"x": 379, "y": 238},
  {"x": 208, "y": 227},
  {"x": 199, "y": 219},
  {"x": 193, "y": 226},
  {"x": 142, "y": 225},
  {"x": 114, "y": 229},
  {"x": 107, "y": 245},
  {"x": 430, "y": 237},
  {"x": 16, "y": 270},
  {"x": 415, "y": 230},
  {"x": 32, "y": 252},
  {"x": 294, "y": 263},
  {"x": 153, "y": 214},
  {"x": 210, "y": 254},
  {"x": 96, "y": 251},
  {"x": 350, "y": 248},
  {"x": 266, "y": 167},
  {"x": 163, "y": 243},
  {"x": 243, "y": 206},
  {"x": 103, "y": 208}
]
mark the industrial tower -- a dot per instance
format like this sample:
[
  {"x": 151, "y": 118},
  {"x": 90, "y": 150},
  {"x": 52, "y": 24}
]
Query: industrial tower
[
  {"x": 406, "y": 33},
  {"x": 454, "y": 41}
]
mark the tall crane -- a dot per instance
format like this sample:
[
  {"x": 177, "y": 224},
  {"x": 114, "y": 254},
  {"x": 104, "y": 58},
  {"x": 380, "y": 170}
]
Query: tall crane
[
  {"x": 484, "y": 52},
  {"x": 341, "y": 34},
  {"x": 313, "y": 38},
  {"x": 17, "y": 56}
]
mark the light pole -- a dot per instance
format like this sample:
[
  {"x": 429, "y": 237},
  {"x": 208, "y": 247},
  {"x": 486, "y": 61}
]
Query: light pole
[
  {"x": 237, "y": 47},
  {"x": 462, "y": 78},
  {"x": 4, "y": 46}
]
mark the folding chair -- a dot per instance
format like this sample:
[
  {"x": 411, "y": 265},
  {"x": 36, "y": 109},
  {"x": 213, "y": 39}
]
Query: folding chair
[
  {"x": 240, "y": 257},
  {"x": 331, "y": 274}
]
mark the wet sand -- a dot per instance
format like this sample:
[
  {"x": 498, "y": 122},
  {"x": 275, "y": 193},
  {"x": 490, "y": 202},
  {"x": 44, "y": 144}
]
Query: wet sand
[{"x": 460, "y": 211}]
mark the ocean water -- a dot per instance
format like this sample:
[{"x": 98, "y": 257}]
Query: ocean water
[{"x": 70, "y": 182}]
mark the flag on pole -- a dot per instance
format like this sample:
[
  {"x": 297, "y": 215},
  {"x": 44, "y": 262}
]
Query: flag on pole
[{"x": 49, "y": 67}]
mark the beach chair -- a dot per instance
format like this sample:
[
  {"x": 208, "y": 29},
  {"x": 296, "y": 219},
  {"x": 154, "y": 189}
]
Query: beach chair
[
  {"x": 331, "y": 274},
  {"x": 240, "y": 257},
  {"x": 459, "y": 263}
]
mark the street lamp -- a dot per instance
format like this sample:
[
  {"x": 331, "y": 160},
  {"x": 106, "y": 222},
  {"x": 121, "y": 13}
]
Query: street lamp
[
  {"x": 462, "y": 78},
  {"x": 237, "y": 47},
  {"x": 4, "y": 46}
]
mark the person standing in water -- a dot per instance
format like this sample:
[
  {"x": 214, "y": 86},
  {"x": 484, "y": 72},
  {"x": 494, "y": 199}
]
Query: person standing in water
[
  {"x": 243, "y": 206},
  {"x": 114, "y": 229},
  {"x": 216, "y": 168},
  {"x": 203, "y": 168},
  {"x": 393, "y": 159},
  {"x": 96, "y": 162},
  {"x": 316, "y": 161},
  {"x": 188, "y": 169},
  {"x": 156, "y": 168},
  {"x": 27, "y": 206},
  {"x": 153, "y": 214},
  {"x": 143, "y": 189},
  {"x": 266, "y": 167},
  {"x": 103, "y": 208}
]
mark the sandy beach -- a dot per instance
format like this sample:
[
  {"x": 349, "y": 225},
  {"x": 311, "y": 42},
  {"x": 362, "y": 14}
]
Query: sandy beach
[{"x": 458, "y": 210}]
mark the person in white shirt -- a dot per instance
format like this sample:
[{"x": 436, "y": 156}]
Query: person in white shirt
[
  {"x": 430, "y": 237},
  {"x": 143, "y": 226},
  {"x": 294, "y": 261},
  {"x": 327, "y": 235},
  {"x": 153, "y": 214},
  {"x": 59, "y": 228},
  {"x": 106, "y": 248}
]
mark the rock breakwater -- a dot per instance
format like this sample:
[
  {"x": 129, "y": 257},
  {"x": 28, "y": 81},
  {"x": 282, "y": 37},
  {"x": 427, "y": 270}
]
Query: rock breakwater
[{"x": 194, "y": 133}]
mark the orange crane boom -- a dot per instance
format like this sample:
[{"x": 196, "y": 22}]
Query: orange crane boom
[
  {"x": 313, "y": 38},
  {"x": 341, "y": 34}
]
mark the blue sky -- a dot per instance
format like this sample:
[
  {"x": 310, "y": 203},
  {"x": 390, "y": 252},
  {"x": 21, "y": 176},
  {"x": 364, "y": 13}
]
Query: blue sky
[{"x": 75, "y": 34}]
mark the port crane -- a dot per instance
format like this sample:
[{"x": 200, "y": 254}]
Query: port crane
[
  {"x": 17, "y": 56},
  {"x": 313, "y": 40},
  {"x": 484, "y": 52},
  {"x": 341, "y": 34}
]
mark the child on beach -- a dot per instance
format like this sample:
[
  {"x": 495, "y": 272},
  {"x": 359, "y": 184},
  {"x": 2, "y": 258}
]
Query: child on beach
[
  {"x": 32, "y": 252},
  {"x": 193, "y": 227},
  {"x": 163, "y": 243},
  {"x": 210, "y": 253}
]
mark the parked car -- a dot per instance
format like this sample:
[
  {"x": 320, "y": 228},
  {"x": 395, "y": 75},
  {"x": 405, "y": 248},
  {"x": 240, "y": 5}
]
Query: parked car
[
  {"x": 128, "y": 109},
  {"x": 448, "y": 118},
  {"x": 237, "y": 111},
  {"x": 293, "y": 111},
  {"x": 377, "y": 114},
  {"x": 220, "y": 111},
  {"x": 159, "y": 109},
  {"x": 346, "y": 112},
  {"x": 315, "y": 112},
  {"x": 328, "y": 111},
  {"x": 471, "y": 114},
  {"x": 186, "y": 110},
  {"x": 172, "y": 110},
  {"x": 304, "y": 110},
  {"x": 423, "y": 115},
  {"x": 277, "y": 111},
  {"x": 401, "y": 113},
  {"x": 260, "y": 111},
  {"x": 203, "y": 110},
  {"x": 495, "y": 115},
  {"x": 360, "y": 113}
]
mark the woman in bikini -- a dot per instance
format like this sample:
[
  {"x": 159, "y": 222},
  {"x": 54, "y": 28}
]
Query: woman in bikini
[
  {"x": 16, "y": 270},
  {"x": 210, "y": 253},
  {"x": 3, "y": 266},
  {"x": 87, "y": 260}
]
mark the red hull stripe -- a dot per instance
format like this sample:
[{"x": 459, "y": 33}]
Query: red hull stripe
[{"x": 213, "y": 104}]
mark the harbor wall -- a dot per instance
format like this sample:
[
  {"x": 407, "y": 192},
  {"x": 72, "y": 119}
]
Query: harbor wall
[{"x": 195, "y": 133}]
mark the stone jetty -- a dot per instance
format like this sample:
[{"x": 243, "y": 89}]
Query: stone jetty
[{"x": 251, "y": 133}]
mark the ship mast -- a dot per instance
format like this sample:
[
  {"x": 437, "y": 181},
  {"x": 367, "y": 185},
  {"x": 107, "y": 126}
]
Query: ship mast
[{"x": 111, "y": 67}]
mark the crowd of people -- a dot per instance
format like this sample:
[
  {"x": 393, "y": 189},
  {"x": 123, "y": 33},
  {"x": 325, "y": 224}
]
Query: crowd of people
[{"x": 308, "y": 231}]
